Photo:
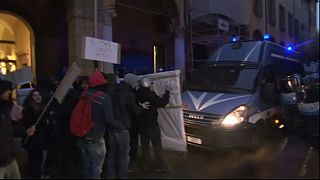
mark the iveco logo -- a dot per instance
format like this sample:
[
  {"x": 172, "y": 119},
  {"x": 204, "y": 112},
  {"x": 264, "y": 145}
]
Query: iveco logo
[{"x": 192, "y": 116}]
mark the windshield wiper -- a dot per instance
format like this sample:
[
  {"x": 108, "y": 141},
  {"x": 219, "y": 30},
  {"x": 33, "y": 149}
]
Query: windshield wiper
[
  {"x": 239, "y": 88},
  {"x": 205, "y": 89},
  {"x": 235, "y": 63}
]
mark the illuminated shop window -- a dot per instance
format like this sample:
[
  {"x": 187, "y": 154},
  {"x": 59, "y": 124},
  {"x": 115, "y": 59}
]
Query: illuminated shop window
[
  {"x": 3, "y": 68},
  {"x": 7, "y": 57}
]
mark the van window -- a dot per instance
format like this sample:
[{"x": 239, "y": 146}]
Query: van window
[
  {"x": 286, "y": 68},
  {"x": 269, "y": 76},
  {"x": 231, "y": 78}
]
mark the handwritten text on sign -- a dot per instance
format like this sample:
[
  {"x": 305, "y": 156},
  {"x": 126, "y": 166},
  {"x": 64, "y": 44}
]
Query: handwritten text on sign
[{"x": 101, "y": 50}]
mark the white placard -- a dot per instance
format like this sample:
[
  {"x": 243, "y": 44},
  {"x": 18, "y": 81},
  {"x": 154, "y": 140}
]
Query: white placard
[
  {"x": 22, "y": 94},
  {"x": 101, "y": 50},
  {"x": 20, "y": 76},
  {"x": 23, "y": 76}
]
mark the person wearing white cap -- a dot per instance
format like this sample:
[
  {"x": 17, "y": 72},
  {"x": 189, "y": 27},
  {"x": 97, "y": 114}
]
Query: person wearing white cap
[{"x": 150, "y": 130}]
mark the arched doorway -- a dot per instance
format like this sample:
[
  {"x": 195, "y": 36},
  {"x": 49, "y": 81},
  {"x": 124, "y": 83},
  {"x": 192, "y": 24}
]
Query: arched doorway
[{"x": 16, "y": 44}]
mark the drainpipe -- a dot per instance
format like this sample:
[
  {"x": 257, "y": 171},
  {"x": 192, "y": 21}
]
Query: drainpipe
[
  {"x": 95, "y": 24},
  {"x": 179, "y": 42}
]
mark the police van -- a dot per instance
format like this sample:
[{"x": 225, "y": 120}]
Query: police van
[{"x": 234, "y": 99}]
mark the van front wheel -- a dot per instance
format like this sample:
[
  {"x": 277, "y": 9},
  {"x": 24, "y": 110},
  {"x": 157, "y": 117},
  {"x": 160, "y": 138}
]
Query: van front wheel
[{"x": 257, "y": 137}]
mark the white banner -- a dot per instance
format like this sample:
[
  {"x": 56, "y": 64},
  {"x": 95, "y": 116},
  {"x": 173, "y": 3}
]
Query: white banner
[
  {"x": 171, "y": 117},
  {"x": 66, "y": 82},
  {"x": 101, "y": 50}
]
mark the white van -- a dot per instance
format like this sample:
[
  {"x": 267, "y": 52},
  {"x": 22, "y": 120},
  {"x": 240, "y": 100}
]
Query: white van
[{"x": 234, "y": 98}]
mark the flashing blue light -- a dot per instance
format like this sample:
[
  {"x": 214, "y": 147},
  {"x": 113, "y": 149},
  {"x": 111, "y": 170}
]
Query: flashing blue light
[
  {"x": 290, "y": 48},
  {"x": 266, "y": 37},
  {"x": 234, "y": 39}
]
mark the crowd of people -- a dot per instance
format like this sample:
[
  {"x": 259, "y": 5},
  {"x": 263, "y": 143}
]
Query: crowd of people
[{"x": 121, "y": 113}]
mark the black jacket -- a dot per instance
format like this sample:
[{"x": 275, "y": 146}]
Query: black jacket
[
  {"x": 44, "y": 133},
  {"x": 7, "y": 146},
  {"x": 148, "y": 117},
  {"x": 124, "y": 104}
]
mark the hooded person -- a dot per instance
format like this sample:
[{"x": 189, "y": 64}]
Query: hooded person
[
  {"x": 132, "y": 79},
  {"x": 125, "y": 109},
  {"x": 92, "y": 146}
]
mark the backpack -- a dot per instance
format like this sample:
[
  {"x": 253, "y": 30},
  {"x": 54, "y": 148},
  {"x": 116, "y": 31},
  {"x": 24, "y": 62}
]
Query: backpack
[{"x": 81, "y": 121}]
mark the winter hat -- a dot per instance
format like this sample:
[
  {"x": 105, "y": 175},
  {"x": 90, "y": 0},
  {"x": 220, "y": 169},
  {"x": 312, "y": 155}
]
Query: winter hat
[
  {"x": 4, "y": 86},
  {"x": 97, "y": 79},
  {"x": 131, "y": 79}
]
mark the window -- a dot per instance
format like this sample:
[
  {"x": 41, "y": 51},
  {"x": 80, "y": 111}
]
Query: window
[
  {"x": 258, "y": 8},
  {"x": 296, "y": 29},
  {"x": 290, "y": 25},
  {"x": 7, "y": 57},
  {"x": 271, "y": 12},
  {"x": 282, "y": 18},
  {"x": 222, "y": 78}
]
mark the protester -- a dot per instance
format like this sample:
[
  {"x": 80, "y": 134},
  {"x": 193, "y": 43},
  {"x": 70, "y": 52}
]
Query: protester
[
  {"x": 124, "y": 108},
  {"x": 68, "y": 161},
  {"x": 133, "y": 80},
  {"x": 39, "y": 143},
  {"x": 8, "y": 164},
  {"x": 92, "y": 146},
  {"x": 149, "y": 126},
  {"x": 8, "y": 114}
]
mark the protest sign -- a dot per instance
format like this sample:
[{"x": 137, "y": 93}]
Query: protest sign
[
  {"x": 20, "y": 76},
  {"x": 66, "y": 82},
  {"x": 101, "y": 50}
]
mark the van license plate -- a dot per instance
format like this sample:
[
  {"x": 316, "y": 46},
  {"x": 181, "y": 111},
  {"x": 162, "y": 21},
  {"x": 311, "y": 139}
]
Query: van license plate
[{"x": 194, "y": 140}]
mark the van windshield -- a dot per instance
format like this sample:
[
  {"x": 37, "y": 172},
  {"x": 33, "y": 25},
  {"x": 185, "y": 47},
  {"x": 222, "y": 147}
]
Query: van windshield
[
  {"x": 240, "y": 51},
  {"x": 223, "y": 78}
]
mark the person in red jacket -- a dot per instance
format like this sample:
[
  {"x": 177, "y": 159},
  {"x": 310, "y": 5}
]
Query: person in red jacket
[{"x": 92, "y": 147}]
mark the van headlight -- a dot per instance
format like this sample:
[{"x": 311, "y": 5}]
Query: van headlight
[{"x": 234, "y": 117}]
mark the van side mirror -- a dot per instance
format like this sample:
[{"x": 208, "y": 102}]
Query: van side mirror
[
  {"x": 268, "y": 91},
  {"x": 294, "y": 82}
]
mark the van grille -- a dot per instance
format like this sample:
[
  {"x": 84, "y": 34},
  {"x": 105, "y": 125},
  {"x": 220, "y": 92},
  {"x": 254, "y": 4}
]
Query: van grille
[{"x": 200, "y": 119}]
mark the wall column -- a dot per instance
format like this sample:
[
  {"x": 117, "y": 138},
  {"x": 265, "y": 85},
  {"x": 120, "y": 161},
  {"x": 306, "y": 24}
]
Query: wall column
[
  {"x": 179, "y": 42},
  {"x": 80, "y": 23},
  {"x": 106, "y": 12}
]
